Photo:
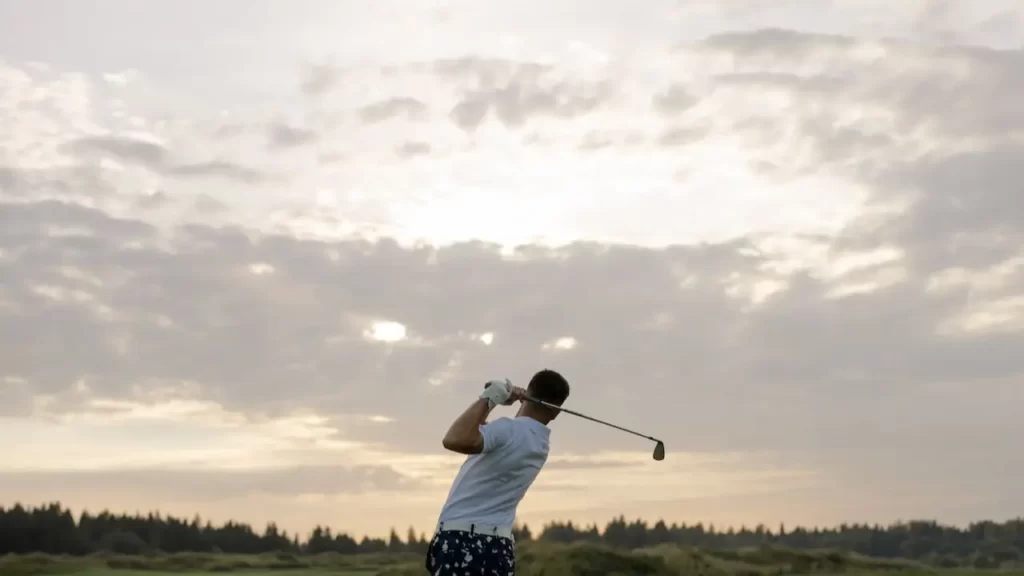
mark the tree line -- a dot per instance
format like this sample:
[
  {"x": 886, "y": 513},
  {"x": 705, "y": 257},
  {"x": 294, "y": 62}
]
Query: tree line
[{"x": 53, "y": 529}]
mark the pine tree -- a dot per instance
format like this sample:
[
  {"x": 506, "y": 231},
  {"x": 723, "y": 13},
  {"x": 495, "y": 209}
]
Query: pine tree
[{"x": 395, "y": 543}]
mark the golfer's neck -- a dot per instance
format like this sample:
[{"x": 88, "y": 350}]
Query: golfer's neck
[{"x": 526, "y": 412}]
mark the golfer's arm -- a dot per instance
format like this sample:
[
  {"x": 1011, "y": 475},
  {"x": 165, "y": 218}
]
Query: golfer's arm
[{"x": 464, "y": 434}]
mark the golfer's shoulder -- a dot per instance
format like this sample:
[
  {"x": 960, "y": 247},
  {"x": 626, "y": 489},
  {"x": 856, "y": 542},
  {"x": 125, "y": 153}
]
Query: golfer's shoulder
[
  {"x": 504, "y": 424},
  {"x": 509, "y": 426}
]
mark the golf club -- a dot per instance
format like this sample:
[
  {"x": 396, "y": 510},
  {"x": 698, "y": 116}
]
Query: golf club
[{"x": 659, "y": 446}]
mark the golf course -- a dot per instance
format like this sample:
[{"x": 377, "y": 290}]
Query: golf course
[{"x": 534, "y": 559}]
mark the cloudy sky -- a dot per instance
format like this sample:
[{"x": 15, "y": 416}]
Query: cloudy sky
[{"x": 256, "y": 255}]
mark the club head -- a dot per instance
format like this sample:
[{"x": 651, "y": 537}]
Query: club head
[{"x": 659, "y": 451}]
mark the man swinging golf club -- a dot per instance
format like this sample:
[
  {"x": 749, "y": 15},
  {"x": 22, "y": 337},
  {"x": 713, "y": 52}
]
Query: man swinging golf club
[{"x": 474, "y": 532}]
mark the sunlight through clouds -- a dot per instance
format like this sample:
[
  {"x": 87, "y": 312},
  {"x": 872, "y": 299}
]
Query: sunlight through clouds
[
  {"x": 388, "y": 331},
  {"x": 564, "y": 343}
]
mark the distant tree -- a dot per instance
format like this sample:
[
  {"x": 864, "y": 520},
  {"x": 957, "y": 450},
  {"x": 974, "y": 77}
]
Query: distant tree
[
  {"x": 53, "y": 529},
  {"x": 522, "y": 534},
  {"x": 615, "y": 533},
  {"x": 591, "y": 534},
  {"x": 122, "y": 543},
  {"x": 659, "y": 534},
  {"x": 345, "y": 544},
  {"x": 372, "y": 545},
  {"x": 318, "y": 543},
  {"x": 395, "y": 543}
]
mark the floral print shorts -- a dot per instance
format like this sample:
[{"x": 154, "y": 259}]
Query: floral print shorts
[{"x": 455, "y": 553}]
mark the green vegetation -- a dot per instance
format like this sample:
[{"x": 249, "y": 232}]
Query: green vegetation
[
  {"x": 279, "y": 564},
  {"x": 50, "y": 540},
  {"x": 535, "y": 559}
]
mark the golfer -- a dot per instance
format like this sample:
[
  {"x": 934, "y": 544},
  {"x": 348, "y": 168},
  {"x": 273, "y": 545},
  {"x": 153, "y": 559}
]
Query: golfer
[{"x": 474, "y": 532}]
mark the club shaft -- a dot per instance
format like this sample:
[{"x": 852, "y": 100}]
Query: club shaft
[{"x": 585, "y": 417}]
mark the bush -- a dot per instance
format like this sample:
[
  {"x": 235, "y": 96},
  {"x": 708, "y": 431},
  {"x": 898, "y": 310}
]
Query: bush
[
  {"x": 534, "y": 559},
  {"x": 587, "y": 560},
  {"x": 128, "y": 543},
  {"x": 38, "y": 564},
  {"x": 407, "y": 570},
  {"x": 128, "y": 563},
  {"x": 285, "y": 557}
]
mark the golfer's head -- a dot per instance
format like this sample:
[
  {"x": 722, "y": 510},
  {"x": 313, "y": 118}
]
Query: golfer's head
[{"x": 551, "y": 387}]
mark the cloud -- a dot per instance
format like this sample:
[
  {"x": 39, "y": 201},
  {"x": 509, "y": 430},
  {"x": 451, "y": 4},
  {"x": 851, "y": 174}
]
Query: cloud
[
  {"x": 935, "y": 124},
  {"x": 156, "y": 200},
  {"x": 243, "y": 317},
  {"x": 149, "y": 154},
  {"x": 413, "y": 149},
  {"x": 947, "y": 91},
  {"x": 157, "y": 157},
  {"x": 841, "y": 348},
  {"x": 779, "y": 43},
  {"x": 469, "y": 113},
  {"x": 15, "y": 397},
  {"x": 205, "y": 485},
  {"x": 229, "y": 130},
  {"x": 587, "y": 464},
  {"x": 600, "y": 140},
  {"x": 320, "y": 79},
  {"x": 674, "y": 100},
  {"x": 282, "y": 135},
  {"x": 8, "y": 178},
  {"x": 218, "y": 168},
  {"x": 207, "y": 204},
  {"x": 958, "y": 196},
  {"x": 951, "y": 22},
  {"x": 594, "y": 141},
  {"x": 681, "y": 136},
  {"x": 517, "y": 91},
  {"x": 380, "y": 111}
]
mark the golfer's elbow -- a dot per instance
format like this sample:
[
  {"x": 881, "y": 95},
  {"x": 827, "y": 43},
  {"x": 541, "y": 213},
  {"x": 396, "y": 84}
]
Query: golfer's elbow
[
  {"x": 450, "y": 443},
  {"x": 462, "y": 445}
]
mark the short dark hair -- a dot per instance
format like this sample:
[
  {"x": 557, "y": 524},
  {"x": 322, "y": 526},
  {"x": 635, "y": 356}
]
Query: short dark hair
[{"x": 549, "y": 386}]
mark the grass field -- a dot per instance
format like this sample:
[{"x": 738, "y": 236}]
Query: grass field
[
  {"x": 533, "y": 560},
  {"x": 106, "y": 571}
]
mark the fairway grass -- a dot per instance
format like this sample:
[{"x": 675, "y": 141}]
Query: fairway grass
[
  {"x": 533, "y": 559},
  {"x": 300, "y": 572},
  {"x": 415, "y": 570}
]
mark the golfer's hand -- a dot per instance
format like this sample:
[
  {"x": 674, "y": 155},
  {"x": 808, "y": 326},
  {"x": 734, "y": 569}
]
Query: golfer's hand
[
  {"x": 516, "y": 394},
  {"x": 497, "y": 392}
]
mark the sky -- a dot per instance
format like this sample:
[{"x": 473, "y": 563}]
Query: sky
[{"x": 255, "y": 256}]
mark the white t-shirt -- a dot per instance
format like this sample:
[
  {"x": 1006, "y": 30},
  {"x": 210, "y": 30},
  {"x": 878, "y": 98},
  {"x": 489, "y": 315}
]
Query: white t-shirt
[{"x": 489, "y": 486}]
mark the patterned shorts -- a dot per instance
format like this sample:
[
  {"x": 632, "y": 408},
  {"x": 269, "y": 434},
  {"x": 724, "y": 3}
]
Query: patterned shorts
[{"x": 454, "y": 553}]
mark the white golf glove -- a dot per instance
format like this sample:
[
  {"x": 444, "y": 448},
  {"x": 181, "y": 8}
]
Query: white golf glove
[{"x": 497, "y": 392}]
